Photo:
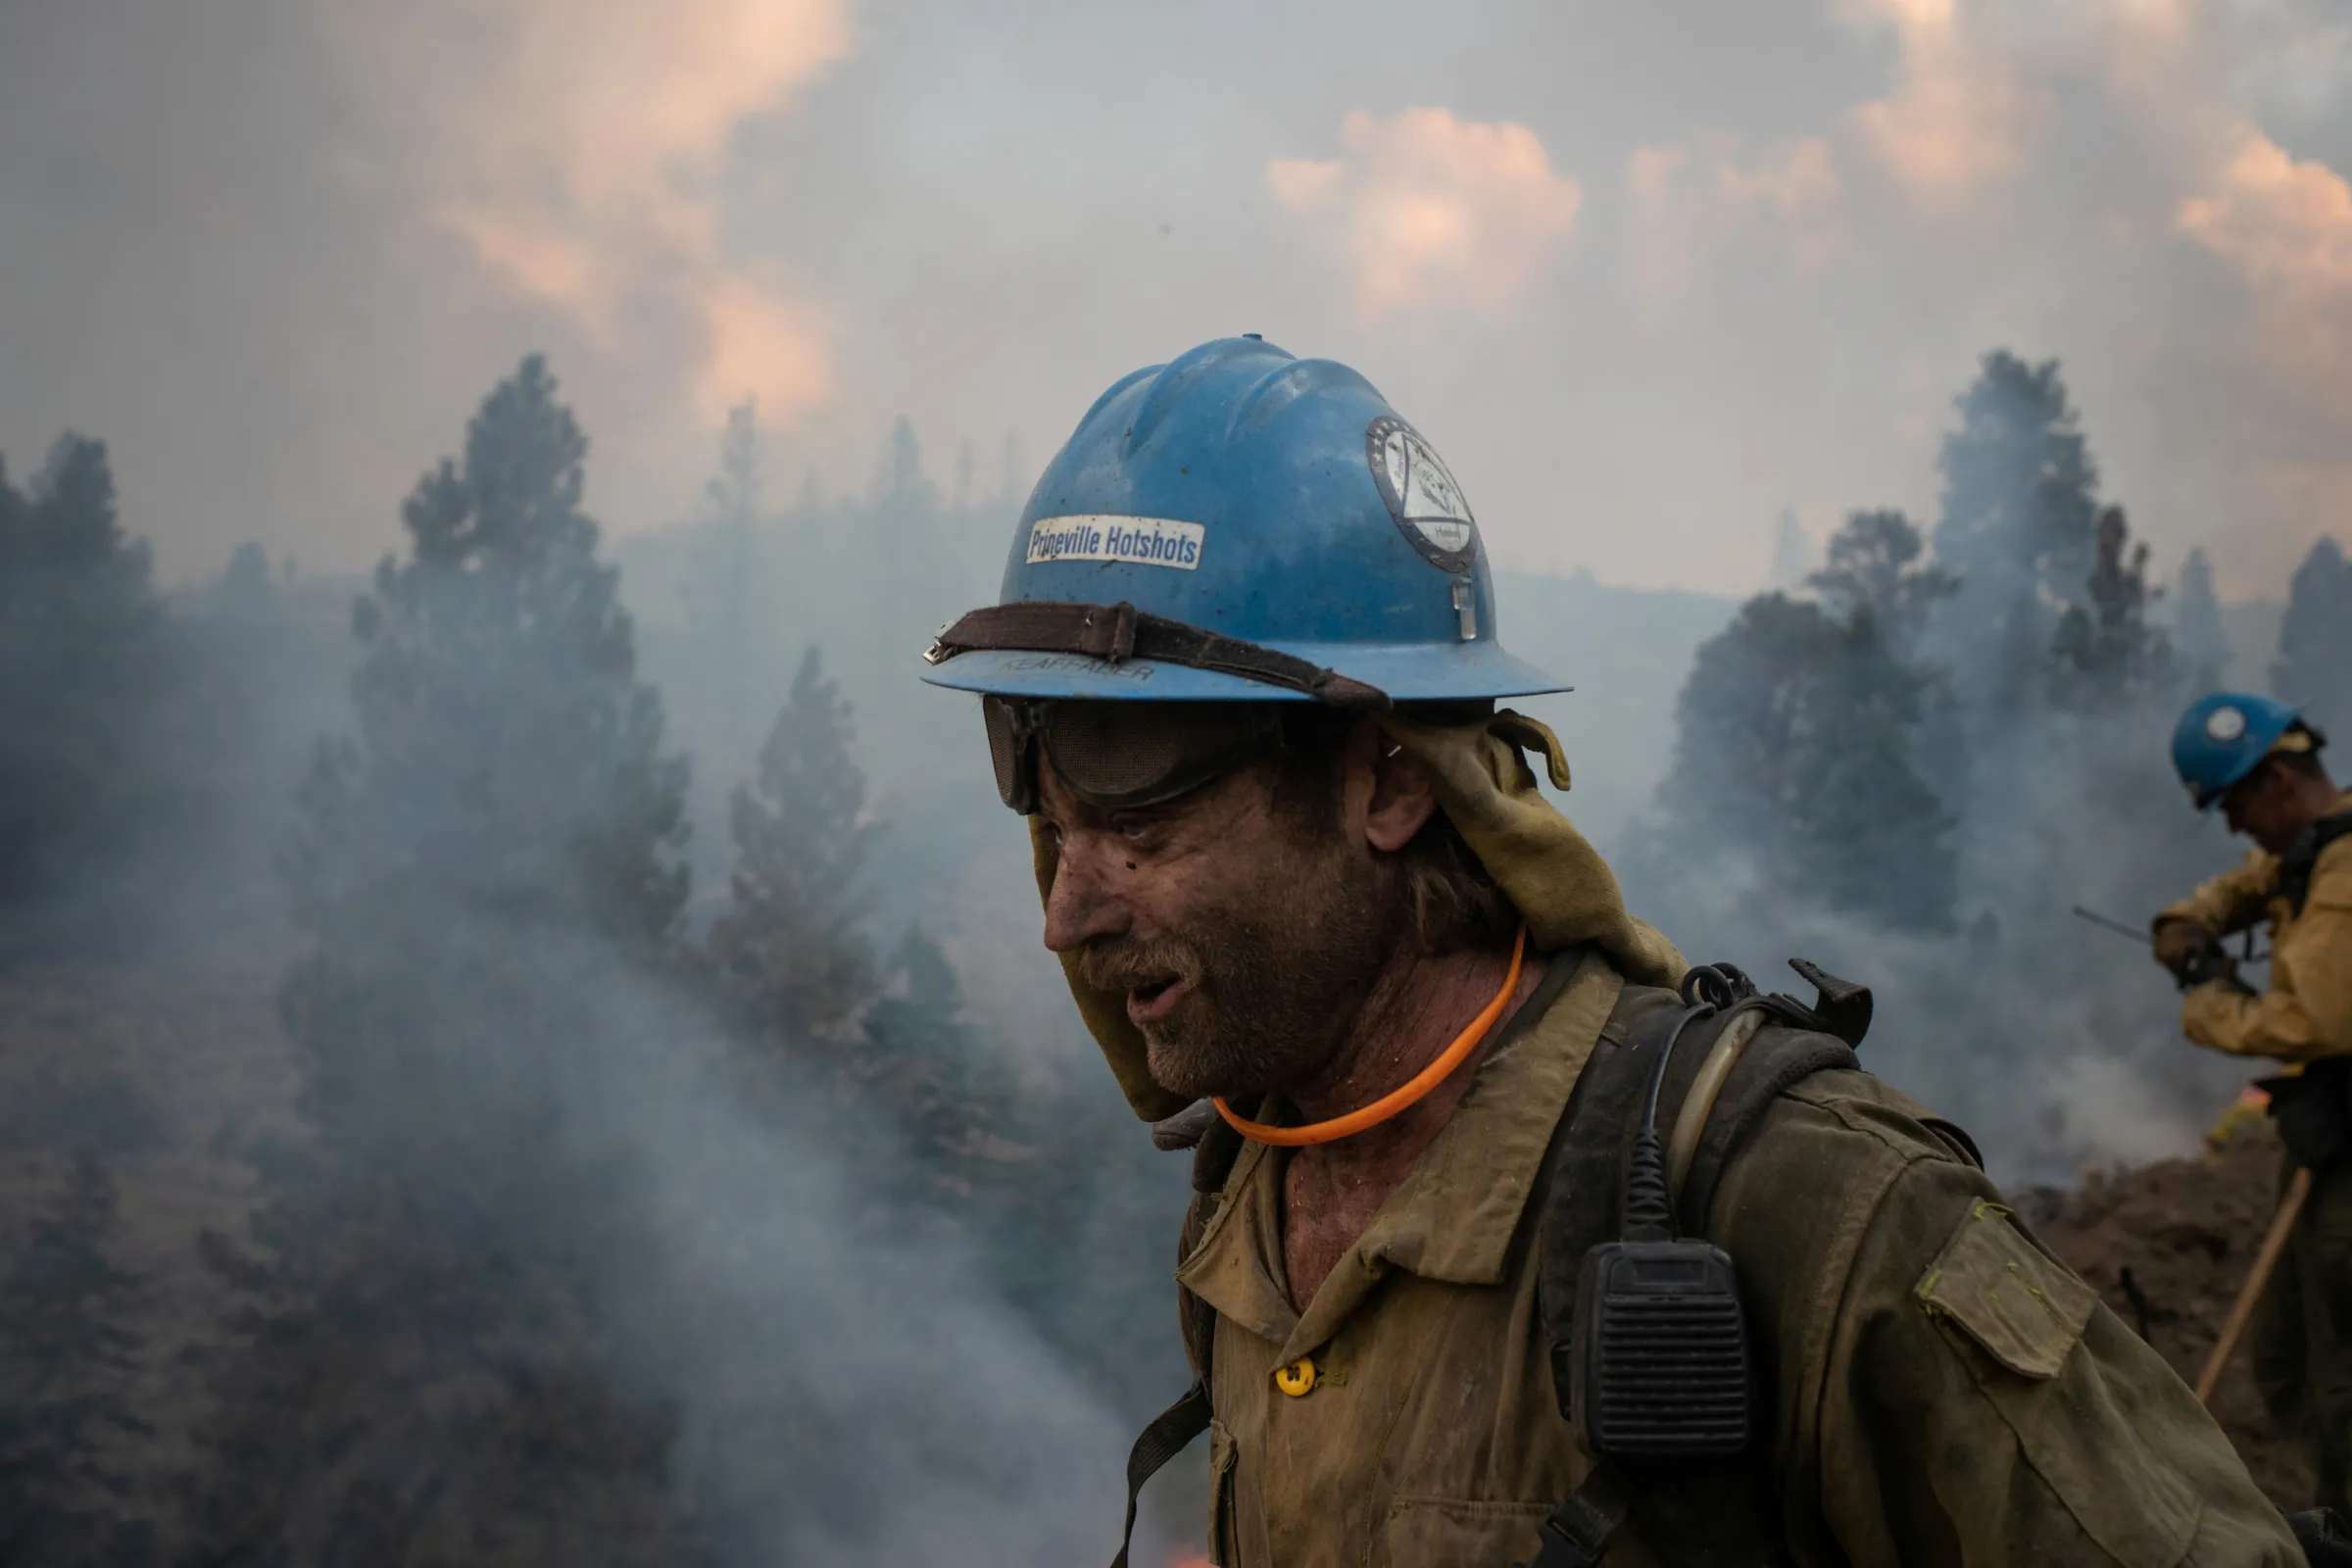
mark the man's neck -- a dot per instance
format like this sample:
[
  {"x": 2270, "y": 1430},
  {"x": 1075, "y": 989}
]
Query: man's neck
[
  {"x": 2316, "y": 800},
  {"x": 1420, "y": 1005}
]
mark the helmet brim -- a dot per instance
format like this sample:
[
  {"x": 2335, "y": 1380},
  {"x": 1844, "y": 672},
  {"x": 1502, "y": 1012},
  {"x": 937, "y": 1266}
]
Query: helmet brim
[{"x": 1409, "y": 672}]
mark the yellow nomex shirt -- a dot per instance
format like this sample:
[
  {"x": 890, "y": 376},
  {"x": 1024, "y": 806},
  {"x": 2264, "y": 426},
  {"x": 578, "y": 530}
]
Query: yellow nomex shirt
[{"x": 2307, "y": 1012}]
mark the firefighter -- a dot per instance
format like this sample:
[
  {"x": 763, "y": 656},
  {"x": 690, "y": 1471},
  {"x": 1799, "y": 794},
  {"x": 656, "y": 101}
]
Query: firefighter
[
  {"x": 2257, "y": 761},
  {"x": 1243, "y": 682}
]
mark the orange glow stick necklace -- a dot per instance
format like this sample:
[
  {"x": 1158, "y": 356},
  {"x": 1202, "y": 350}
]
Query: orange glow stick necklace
[{"x": 1396, "y": 1100}]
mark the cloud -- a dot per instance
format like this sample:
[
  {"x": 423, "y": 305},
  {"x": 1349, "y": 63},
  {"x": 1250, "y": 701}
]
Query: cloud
[
  {"x": 1963, "y": 115},
  {"x": 1691, "y": 198},
  {"x": 2283, "y": 223},
  {"x": 2283, "y": 226},
  {"x": 1423, "y": 210},
  {"x": 579, "y": 149}
]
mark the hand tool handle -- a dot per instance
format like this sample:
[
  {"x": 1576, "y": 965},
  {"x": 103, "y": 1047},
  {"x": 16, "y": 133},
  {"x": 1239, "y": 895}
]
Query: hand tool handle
[{"x": 2265, "y": 1261}]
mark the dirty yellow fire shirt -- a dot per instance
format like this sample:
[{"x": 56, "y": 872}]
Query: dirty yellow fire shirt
[
  {"x": 2307, "y": 1012},
  {"x": 1943, "y": 1392}
]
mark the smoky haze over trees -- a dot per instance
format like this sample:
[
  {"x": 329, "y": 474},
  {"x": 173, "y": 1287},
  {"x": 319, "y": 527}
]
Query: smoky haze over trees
[
  {"x": 547, "y": 1058},
  {"x": 1924, "y": 765},
  {"x": 2315, "y": 644},
  {"x": 421, "y": 1358},
  {"x": 554, "y": 1227},
  {"x": 80, "y": 671}
]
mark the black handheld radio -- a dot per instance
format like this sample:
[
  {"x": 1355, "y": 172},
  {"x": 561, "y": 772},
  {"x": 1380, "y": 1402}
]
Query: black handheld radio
[{"x": 1661, "y": 1340}]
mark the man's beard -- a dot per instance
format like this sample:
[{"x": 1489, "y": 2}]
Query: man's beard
[{"x": 1274, "y": 981}]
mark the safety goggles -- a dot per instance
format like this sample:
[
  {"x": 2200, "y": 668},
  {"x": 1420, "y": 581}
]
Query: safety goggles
[{"x": 1117, "y": 755}]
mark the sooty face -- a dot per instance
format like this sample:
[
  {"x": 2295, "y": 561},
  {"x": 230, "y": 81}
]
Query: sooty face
[{"x": 1244, "y": 929}]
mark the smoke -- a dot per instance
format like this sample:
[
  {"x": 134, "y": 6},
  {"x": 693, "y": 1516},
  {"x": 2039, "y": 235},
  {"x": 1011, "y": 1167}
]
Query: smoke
[
  {"x": 853, "y": 1387},
  {"x": 607, "y": 1184},
  {"x": 1690, "y": 199},
  {"x": 1962, "y": 116},
  {"x": 270, "y": 248},
  {"x": 1427, "y": 211},
  {"x": 2285, "y": 226},
  {"x": 581, "y": 152},
  {"x": 1648, "y": 275}
]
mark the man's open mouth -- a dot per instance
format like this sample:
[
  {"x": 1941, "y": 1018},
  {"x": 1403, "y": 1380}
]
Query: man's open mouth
[{"x": 1151, "y": 1001}]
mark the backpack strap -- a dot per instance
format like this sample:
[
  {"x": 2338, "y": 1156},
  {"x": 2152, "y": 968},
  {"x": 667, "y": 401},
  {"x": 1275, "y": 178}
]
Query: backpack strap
[
  {"x": 1727, "y": 1070},
  {"x": 1772, "y": 1058},
  {"x": 1215, "y": 1147},
  {"x": 1165, "y": 1437},
  {"x": 1576, "y": 1534},
  {"x": 2302, "y": 857}
]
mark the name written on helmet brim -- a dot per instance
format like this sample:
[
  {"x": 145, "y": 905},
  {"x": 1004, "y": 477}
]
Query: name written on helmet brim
[{"x": 1407, "y": 671}]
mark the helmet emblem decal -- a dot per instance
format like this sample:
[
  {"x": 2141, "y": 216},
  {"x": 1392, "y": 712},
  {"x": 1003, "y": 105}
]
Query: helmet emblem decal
[
  {"x": 2226, "y": 724},
  {"x": 1421, "y": 494}
]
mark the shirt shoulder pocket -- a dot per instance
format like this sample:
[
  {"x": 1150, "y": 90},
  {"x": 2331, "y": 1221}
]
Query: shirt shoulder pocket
[
  {"x": 2091, "y": 1427},
  {"x": 1995, "y": 1286}
]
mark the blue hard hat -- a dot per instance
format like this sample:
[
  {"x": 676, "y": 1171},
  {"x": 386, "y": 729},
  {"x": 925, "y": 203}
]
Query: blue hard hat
[
  {"x": 1240, "y": 523},
  {"x": 2225, "y": 737}
]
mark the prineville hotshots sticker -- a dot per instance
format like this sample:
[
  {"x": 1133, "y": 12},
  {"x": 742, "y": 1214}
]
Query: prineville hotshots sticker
[{"x": 1097, "y": 536}]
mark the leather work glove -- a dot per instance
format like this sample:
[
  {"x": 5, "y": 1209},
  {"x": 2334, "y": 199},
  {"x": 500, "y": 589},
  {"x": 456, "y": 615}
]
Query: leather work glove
[
  {"x": 2190, "y": 950},
  {"x": 2214, "y": 967}
]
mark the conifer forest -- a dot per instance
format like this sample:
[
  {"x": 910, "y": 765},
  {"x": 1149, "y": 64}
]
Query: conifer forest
[{"x": 493, "y": 1080}]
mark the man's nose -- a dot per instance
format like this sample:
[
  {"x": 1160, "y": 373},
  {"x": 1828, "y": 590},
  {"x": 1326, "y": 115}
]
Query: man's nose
[{"x": 1081, "y": 904}]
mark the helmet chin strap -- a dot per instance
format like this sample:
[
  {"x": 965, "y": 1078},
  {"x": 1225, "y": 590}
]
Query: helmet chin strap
[
  {"x": 1395, "y": 1101},
  {"x": 1116, "y": 633}
]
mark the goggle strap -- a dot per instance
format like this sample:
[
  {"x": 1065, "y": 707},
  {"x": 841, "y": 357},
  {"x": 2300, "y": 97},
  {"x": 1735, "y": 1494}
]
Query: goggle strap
[{"x": 1116, "y": 633}]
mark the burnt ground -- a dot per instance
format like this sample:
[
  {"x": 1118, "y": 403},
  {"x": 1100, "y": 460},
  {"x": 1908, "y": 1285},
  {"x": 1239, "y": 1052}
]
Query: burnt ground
[{"x": 2185, "y": 1231}]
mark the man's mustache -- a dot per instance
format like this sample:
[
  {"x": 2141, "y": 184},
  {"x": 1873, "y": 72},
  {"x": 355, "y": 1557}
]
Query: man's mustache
[{"x": 1122, "y": 963}]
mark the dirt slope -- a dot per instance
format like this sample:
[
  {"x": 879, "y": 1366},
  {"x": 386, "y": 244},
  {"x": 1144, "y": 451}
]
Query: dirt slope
[{"x": 2186, "y": 1231}]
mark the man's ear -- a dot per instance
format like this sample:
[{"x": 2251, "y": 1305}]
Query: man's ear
[{"x": 1402, "y": 796}]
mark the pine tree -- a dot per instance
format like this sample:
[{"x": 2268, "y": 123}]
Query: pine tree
[
  {"x": 504, "y": 811},
  {"x": 888, "y": 1035},
  {"x": 1014, "y": 476},
  {"x": 900, "y": 482},
  {"x": 921, "y": 1060},
  {"x": 489, "y": 867},
  {"x": 791, "y": 940},
  {"x": 506, "y": 799},
  {"x": 728, "y": 575},
  {"x": 68, "y": 1363},
  {"x": 2105, "y": 654},
  {"x": 1874, "y": 567},
  {"x": 2019, "y": 529},
  {"x": 245, "y": 590},
  {"x": 1794, "y": 742},
  {"x": 505, "y": 747},
  {"x": 2313, "y": 666},
  {"x": 80, "y": 669},
  {"x": 2197, "y": 624},
  {"x": 1792, "y": 552},
  {"x": 2020, "y": 488}
]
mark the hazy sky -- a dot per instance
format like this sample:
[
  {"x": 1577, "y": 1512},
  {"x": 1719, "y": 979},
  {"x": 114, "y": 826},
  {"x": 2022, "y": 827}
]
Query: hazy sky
[{"x": 1646, "y": 270}]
